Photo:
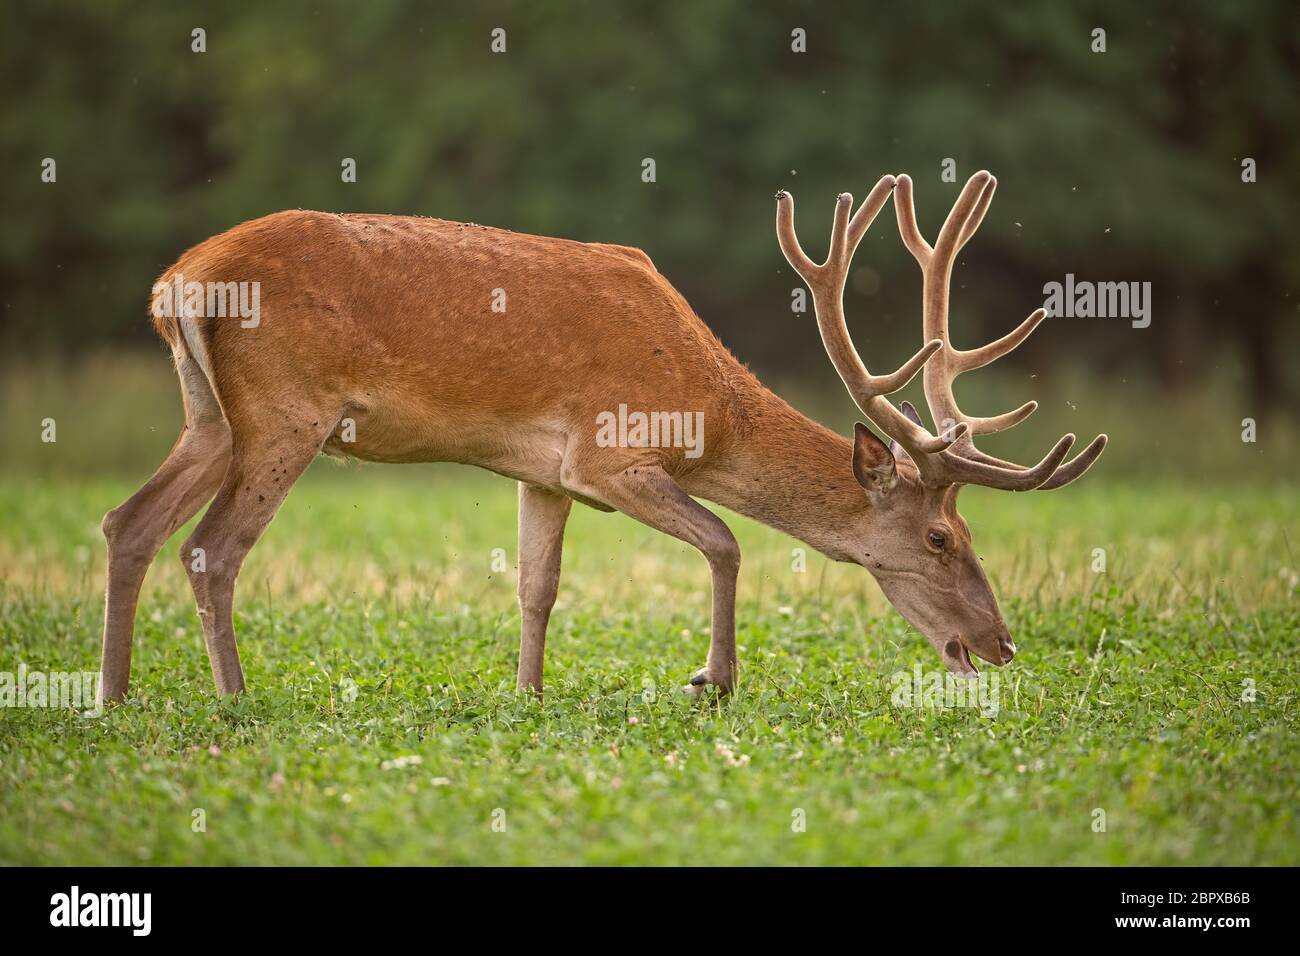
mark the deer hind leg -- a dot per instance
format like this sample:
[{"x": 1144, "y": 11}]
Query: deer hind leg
[
  {"x": 137, "y": 528},
  {"x": 542, "y": 515},
  {"x": 265, "y": 462},
  {"x": 649, "y": 495}
]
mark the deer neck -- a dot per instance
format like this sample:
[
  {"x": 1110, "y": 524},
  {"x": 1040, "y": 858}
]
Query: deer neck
[{"x": 792, "y": 474}]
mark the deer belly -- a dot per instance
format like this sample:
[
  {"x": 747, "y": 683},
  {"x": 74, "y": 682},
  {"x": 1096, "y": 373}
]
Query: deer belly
[{"x": 389, "y": 432}]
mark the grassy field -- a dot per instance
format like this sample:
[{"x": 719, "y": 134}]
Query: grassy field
[{"x": 382, "y": 727}]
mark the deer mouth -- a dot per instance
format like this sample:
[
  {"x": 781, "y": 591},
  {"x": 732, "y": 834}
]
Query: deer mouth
[{"x": 957, "y": 659}]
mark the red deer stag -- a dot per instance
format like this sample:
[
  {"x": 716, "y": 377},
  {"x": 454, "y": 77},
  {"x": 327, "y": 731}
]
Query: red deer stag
[{"x": 378, "y": 339}]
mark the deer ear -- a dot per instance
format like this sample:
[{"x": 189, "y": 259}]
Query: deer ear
[
  {"x": 909, "y": 412},
  {"x": 873, "y": 463}
]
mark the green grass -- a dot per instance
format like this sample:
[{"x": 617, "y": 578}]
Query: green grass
[{"x": 1126, "y": 695}]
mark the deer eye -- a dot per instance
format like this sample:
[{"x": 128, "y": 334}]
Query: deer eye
[{"x": 936, "y": 540}]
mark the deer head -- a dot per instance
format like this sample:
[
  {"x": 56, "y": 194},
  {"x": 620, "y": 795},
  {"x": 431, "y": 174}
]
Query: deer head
[{"x": 914, "y": 542}]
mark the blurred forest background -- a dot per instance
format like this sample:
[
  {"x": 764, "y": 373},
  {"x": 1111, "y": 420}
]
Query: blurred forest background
[{"x": 1117, "y": 166}]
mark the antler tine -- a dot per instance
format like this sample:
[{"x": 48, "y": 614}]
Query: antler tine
[
  {"x": 868, "y": 211},
  {"x": 1000, "y": 423},
  {"x": 1077, "y": 465},
  {"x": 839, "y": 256},
  {"x": 789, "y": 240},
  {"x": 964, "y": 463},
  {"x": 826, "y": 280},
  {"x": 961, "y": 216},
  {"x": 977, "y": 215},
  {"x": 970, "y": 359},
  {"x": 957, "y": 469},
  {"x": 1065, "y": 474},
  {"x": 907, "y": 227}
]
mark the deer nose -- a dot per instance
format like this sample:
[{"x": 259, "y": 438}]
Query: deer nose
[{"x": 1007, "y": 647}]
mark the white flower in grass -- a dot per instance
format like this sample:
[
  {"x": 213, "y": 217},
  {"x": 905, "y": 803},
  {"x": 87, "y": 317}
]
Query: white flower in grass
[
  {"x": 730, "y": 757},
  {"x": 399, "y": 763}
]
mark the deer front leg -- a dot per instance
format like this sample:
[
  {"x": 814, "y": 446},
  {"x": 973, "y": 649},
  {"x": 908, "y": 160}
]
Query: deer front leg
[
  {"x": 649, "y": 495},
  {"x": 542, "y": 515}
]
